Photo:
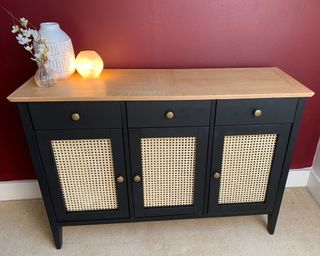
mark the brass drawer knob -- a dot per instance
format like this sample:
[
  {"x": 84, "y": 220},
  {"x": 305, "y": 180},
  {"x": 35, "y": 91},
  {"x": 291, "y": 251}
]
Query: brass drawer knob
[
  {"x": 216, "y": 175},
  {"x": 75, "y": 116},
  {"x": 257, "y": 113},
  {"x": 137, "y": 178},
  {"x": 169, "y": 115},
  {"x": 120, "y": 179}
]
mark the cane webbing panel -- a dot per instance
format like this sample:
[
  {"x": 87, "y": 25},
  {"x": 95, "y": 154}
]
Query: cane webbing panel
[
  {"x": 246, "y": 166},
  {"x": 86, "y": 174},
  {"x": 168, "y": 169}
]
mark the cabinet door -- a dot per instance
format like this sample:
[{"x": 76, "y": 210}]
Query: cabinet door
[
  {"x": 168, "y": 170},
  {"x": 246, "y": 167},
  {"x": 86, "y": 174}
]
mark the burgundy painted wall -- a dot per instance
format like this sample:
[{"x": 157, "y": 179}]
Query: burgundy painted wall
[{"x": 167, "y": 34}]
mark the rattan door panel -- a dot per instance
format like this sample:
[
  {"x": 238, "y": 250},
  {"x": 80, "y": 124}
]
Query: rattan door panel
[
  {"x": 82, "y": 167},
  {"x": 168, "y": 170},
  {"x": 171, "y": 163},
  {"x": 249, "y": 160},
  {"x": 86, "y": 174}
]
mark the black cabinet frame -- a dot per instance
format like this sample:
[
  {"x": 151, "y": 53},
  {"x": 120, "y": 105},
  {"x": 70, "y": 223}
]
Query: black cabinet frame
[{"x": 56, "y": 224}]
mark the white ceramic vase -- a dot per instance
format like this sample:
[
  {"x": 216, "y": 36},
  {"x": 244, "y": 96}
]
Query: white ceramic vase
[{"x": 60, "y": 50}]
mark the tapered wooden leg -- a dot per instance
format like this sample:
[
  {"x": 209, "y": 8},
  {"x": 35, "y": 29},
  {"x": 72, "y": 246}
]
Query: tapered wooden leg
[
  {"x": 57, "y": 235},
  {"x": 272, "y": 222}
]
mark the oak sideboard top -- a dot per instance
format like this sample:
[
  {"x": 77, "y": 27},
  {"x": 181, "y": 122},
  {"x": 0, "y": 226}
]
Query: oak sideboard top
[{"x": 167, "y": 84}]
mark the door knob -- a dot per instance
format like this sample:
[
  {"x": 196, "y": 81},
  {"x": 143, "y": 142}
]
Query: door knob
[
  {"x": 257, "y": 113},
  {"x": 137, "y": 178},
  {"x": 169, "y": 115},
  {"x": 75, "y": 116},
  {"x": 216, "y": 175},
  {"x": 120, "y": 179}
]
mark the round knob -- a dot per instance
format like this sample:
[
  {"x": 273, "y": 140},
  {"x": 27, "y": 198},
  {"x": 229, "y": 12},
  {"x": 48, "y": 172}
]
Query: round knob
[
  {"x": 216, "y": 175},
  {"x": 257, "y": 113},
  {"x": 136, "y": 178},
  {"x": 169, "y": 115},
  {"x": 75, "y": 116},
  {"x": 120, "y": 179}
]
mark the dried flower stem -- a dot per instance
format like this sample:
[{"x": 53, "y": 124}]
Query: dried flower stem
[
  {"x": 29, "y": 38},
  {"x": 15, "y": 20}
]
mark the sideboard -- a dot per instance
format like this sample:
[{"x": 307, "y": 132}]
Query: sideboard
[{"x": 138, "y": 144}]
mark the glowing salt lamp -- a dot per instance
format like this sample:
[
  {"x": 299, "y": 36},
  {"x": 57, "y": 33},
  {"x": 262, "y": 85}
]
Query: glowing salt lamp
[{"x": 89, "y": 64}]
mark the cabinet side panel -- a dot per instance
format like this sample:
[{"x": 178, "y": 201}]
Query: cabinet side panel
[
  {"x": 36, "y": 159},
  {"x": 272, "y": 218}
]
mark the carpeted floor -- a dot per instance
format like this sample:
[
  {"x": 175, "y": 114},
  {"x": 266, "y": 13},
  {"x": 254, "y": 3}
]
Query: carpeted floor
[{"x": 24, "y": 230}]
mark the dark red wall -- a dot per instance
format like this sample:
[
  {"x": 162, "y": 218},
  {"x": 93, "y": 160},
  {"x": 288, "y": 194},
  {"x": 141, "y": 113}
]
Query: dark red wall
[{"x": 169, "y": 33}]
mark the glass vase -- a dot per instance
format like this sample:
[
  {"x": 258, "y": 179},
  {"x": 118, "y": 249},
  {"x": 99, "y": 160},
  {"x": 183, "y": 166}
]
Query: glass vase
[{"x": 45, "y": 76}]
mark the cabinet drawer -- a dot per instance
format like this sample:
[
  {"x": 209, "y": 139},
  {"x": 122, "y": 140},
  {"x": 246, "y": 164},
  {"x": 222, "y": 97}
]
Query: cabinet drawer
[
  {"x": 75, "y": 115},
  {"x": 168, "y": 113},
  {"x": 231, "y": 112}
]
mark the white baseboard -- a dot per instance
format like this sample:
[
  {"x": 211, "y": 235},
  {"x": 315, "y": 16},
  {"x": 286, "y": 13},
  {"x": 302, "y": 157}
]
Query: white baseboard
[
  {"x": 18, "y": 190},
  {"x": 298, "y": 177},
  {"x": 314, "y": 185},
  {"x": 29, "y": 189}
]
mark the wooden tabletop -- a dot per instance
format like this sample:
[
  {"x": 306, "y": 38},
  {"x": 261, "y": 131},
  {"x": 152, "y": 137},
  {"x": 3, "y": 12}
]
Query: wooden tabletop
[{"x": 167, "y": 84}]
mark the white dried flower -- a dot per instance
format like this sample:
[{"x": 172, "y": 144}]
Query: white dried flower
[
  {"x": 31, "y": 40},
  {"x": 37, "y": 55},
  {"x": 34, "y": 34},
  {"x": 23, "y": 22},
  {"x": 15, "y": 29},
  {"x": 40, "y": 47},
  {"x": 28, "y": 48},
  {"x": 26, "y": 32},
  {"x": 40, "y": 52},
  {"x": 22, "y": 39}
]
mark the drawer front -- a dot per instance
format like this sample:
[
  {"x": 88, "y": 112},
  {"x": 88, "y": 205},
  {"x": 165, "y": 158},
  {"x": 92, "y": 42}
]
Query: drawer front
[
  {"x": 168, "y": 113},
  {"x": 75, "y": 115},
  {"x": 261, "y": 111}
]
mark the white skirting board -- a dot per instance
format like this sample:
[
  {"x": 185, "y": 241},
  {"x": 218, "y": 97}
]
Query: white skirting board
[
  {"x": 18, "y": 190},
  {"x": 314, "y": 185},
  {"x": 314, "y": 180},
  {"x": 29, "y": 189},
  {"x": 298, "y": 177}
]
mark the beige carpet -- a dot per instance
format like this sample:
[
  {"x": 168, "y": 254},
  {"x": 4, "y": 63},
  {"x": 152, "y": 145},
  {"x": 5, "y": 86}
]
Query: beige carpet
[{"x": 24, "y": 230}]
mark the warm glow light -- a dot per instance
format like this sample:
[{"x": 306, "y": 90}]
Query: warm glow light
[{"x": 89, "y": 64}]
